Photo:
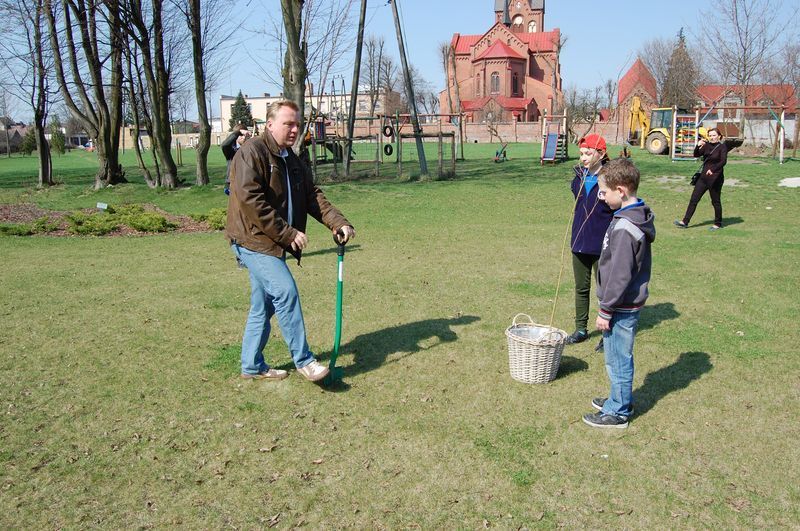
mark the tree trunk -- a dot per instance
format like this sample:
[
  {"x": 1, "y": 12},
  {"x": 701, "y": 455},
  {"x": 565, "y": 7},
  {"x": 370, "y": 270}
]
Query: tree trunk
[
  {"x": 294, "y": 65},
  {"x": 93, "y": 113},
  {"x": 204, "y": 142},
  {"x": 45, "y": 161}
]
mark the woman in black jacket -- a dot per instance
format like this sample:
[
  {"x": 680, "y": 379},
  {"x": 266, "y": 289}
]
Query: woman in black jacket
[{"x": 715, "y": 156}]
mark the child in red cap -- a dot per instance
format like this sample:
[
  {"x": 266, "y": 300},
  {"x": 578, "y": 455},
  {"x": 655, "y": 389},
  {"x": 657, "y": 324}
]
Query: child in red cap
[{"x": 589, "y": 224}]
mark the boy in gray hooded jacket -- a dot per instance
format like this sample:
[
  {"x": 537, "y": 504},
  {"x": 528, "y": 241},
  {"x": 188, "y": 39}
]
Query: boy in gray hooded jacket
[{"x": 622, "y": 278}]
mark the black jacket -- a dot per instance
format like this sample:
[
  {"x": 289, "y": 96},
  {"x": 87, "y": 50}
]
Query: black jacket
[{"x": 715, "y": 156}]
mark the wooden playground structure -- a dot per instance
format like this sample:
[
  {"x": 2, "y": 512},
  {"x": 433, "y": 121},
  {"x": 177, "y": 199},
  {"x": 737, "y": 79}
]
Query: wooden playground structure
[{"x": 382, "y": 143}]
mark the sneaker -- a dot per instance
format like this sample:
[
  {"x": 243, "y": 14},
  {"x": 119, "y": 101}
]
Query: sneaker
[
  {"x": 272, "y": 374},
  {"x": 314, "y": 371},
  {"x": 599, "y": 347},
  {"x": 598, "y": 404},
  {"x": 601, "y": 420},
  {"x": 578, "y": 336},
  {"x": 680, "y": 224},
  {"x": 714, "y": 227}
]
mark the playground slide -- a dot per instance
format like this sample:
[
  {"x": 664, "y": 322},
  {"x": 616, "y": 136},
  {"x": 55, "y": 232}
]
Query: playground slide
[{"x": 550, "y": 145}]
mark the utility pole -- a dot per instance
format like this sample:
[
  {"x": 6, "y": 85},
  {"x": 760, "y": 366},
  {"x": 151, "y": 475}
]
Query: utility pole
[
  {"x": 423, "y": 165},
  {"x": 351, "y": 118}
]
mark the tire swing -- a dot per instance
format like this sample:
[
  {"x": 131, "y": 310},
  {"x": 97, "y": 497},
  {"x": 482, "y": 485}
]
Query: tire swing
[
  {"x": 388, "y": 150},
  {"x": 388, "y": 131}
]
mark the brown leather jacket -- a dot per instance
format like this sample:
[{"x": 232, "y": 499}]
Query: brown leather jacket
[{"x": 258, "y": 203}]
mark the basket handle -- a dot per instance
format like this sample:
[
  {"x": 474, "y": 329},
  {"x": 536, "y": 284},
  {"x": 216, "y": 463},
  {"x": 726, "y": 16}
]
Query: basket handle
[{"x": 514, "y": 322}]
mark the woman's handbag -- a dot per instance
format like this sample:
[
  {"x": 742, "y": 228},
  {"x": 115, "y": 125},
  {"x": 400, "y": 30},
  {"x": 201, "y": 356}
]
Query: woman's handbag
[{"x": 695, "y": 178}]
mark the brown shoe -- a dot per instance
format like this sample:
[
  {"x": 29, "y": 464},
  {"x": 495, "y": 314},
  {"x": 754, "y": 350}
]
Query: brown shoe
[
  {"x": 272, "y": 374},
  {"x": 314, "y": 371}
]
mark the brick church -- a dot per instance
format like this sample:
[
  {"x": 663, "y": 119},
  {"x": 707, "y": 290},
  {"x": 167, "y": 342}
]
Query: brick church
[{"x": 511, "y": 72}]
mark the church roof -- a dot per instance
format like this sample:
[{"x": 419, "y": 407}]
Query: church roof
[
  {"x": 637, "y": 74},
  {"x": 499, "y": 50},
  {"x": 541, "y": 41}
]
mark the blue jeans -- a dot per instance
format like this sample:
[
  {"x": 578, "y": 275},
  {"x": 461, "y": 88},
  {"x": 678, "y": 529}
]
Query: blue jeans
[
  {"x": 618, "y": 347},
  {"x": 272, "y": 291}
]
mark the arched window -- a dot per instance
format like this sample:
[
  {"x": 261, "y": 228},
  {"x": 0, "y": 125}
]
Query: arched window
[
  {"x": 478, "y": 84},
  {"x": 516, "y": 24},
  {"x": 495, "y": 88},
  {"x": 515, "y": 84},
  {"x": 532, "y": 26}
]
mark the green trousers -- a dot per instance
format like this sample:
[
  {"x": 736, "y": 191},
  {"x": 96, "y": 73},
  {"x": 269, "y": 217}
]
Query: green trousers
[{"x": 582, "y": 266}]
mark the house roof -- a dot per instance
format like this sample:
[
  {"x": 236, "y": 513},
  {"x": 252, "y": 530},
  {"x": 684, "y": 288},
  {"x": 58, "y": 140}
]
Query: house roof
[
  {"x": 638, "y": 74},
  {"x": 776, "y": 95},
  {"x": 499, "y": 50}
]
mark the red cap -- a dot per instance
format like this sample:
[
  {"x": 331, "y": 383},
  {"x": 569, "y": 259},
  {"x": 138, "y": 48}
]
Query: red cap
[{"x": 593, "y": 141}]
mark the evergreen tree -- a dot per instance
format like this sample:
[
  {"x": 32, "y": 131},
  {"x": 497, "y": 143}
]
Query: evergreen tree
[
  {"x": 680, "y": 84},
  {"x": 28, "y": 144},
  {"x": 240, "y": 112},
  {"x": 57, "y": 140}
]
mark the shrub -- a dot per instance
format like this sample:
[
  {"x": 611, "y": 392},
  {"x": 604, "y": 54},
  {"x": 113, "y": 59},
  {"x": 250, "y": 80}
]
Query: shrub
[
  {"x": 216, "y": 218},
  {"x": 42, "y": 225},
  {"x": 147, "y": 222},
  {"x": 95, "y": 224}
]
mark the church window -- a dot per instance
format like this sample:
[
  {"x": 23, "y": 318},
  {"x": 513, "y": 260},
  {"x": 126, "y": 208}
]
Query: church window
[
  {"x": 515, "y": 84},
  {"x": 477, "y": 84},
  {"x": 532, "y": 26},
  {"x": 495, "y": 88},
  {"x": 516, "y": 24}
]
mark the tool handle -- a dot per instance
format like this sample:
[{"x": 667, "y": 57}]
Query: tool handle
[{"x": 336, "y": 239}]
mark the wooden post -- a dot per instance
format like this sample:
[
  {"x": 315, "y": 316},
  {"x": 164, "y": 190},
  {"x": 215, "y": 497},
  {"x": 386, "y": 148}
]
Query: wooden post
[
  {"x": 453, "y": 154},
  {"x": 783, "y": 131},
  {"x": 351, "y": 117},
  {"x": 314, "y": 157},
  {"x": 335, "y": 144},
  {"x": 399, "y": 155},
  {"x": 378, "y": 154},
  {"x": 440, "y": 168},
  {"x": 423, "y": 164}
]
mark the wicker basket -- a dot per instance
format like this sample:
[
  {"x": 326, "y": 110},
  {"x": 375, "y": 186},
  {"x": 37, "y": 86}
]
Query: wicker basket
[{"x": 534, "y": 350}]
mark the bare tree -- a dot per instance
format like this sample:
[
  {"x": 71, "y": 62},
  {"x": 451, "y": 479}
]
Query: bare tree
[
  {"x": 151, "y": 28},
  {"x": 746, "y": 35},
  {"x": 93, "y": 51},
  {"x": 555, "y": 68},
  {"x": 371, "y": 72},
  {"x": 583, "y": 108},
  {"x": 24, "y": 53},
  {"x": 655, "y": 55},
  {"x": 211, "y": 37},
  {"x": 5, "y": 116}
]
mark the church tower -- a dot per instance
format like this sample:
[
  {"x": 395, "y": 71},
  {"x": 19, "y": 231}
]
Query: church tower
[{"x": 525, "y": 16}]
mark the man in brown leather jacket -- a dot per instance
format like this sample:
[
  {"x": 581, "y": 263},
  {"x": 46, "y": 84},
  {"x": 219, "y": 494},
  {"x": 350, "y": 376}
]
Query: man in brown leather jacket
[{"x": 271, "y": 194}]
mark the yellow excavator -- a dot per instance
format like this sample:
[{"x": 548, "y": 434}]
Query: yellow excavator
[{"x": 654, "y": 132}]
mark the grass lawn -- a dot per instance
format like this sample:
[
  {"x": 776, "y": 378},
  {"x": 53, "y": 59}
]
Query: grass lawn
[{"x": 122, "y": 406}]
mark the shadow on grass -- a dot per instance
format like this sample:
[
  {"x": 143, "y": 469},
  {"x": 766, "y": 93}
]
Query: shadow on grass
[
  {"x": 371, "y": 350},
  {"x": 687, "y": 368},
  {"x": 656, "y": 313},
  {"x": 726, "y": 222},
  {"x": 570, "y": 365}
]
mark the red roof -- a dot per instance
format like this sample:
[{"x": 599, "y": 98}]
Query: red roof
[
  {"x": 757, "y": 95},
  {"x": 637, "y": 74},
  {"x": 541, "y": 41},
  {"x": 474, "y": 105},
  {"x": 499, "y": 50}
]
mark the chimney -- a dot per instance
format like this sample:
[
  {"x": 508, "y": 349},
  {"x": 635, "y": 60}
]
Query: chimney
[{"x": 266, "y": 94}]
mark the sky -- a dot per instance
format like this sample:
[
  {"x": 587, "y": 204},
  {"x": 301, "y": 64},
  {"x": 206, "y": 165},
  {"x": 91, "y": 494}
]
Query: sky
[{"x": 602, "y": 37}]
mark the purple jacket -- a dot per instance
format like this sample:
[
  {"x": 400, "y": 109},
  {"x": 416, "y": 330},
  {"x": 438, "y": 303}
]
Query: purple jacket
[{"x": 592, "y": 217}]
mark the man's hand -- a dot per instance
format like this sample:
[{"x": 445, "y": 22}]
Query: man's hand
[
  {"x": 602, "y": 324},
  {"x": 300, "y": 241},
  {"x": 347, "y": 234}
]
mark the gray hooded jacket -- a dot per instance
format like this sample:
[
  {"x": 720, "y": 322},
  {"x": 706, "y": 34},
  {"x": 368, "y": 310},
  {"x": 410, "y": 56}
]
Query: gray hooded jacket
[{"x": 623, "y": 271}]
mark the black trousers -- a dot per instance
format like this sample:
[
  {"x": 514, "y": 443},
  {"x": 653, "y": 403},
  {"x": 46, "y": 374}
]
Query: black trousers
[{"x": 714, "y": 187}]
